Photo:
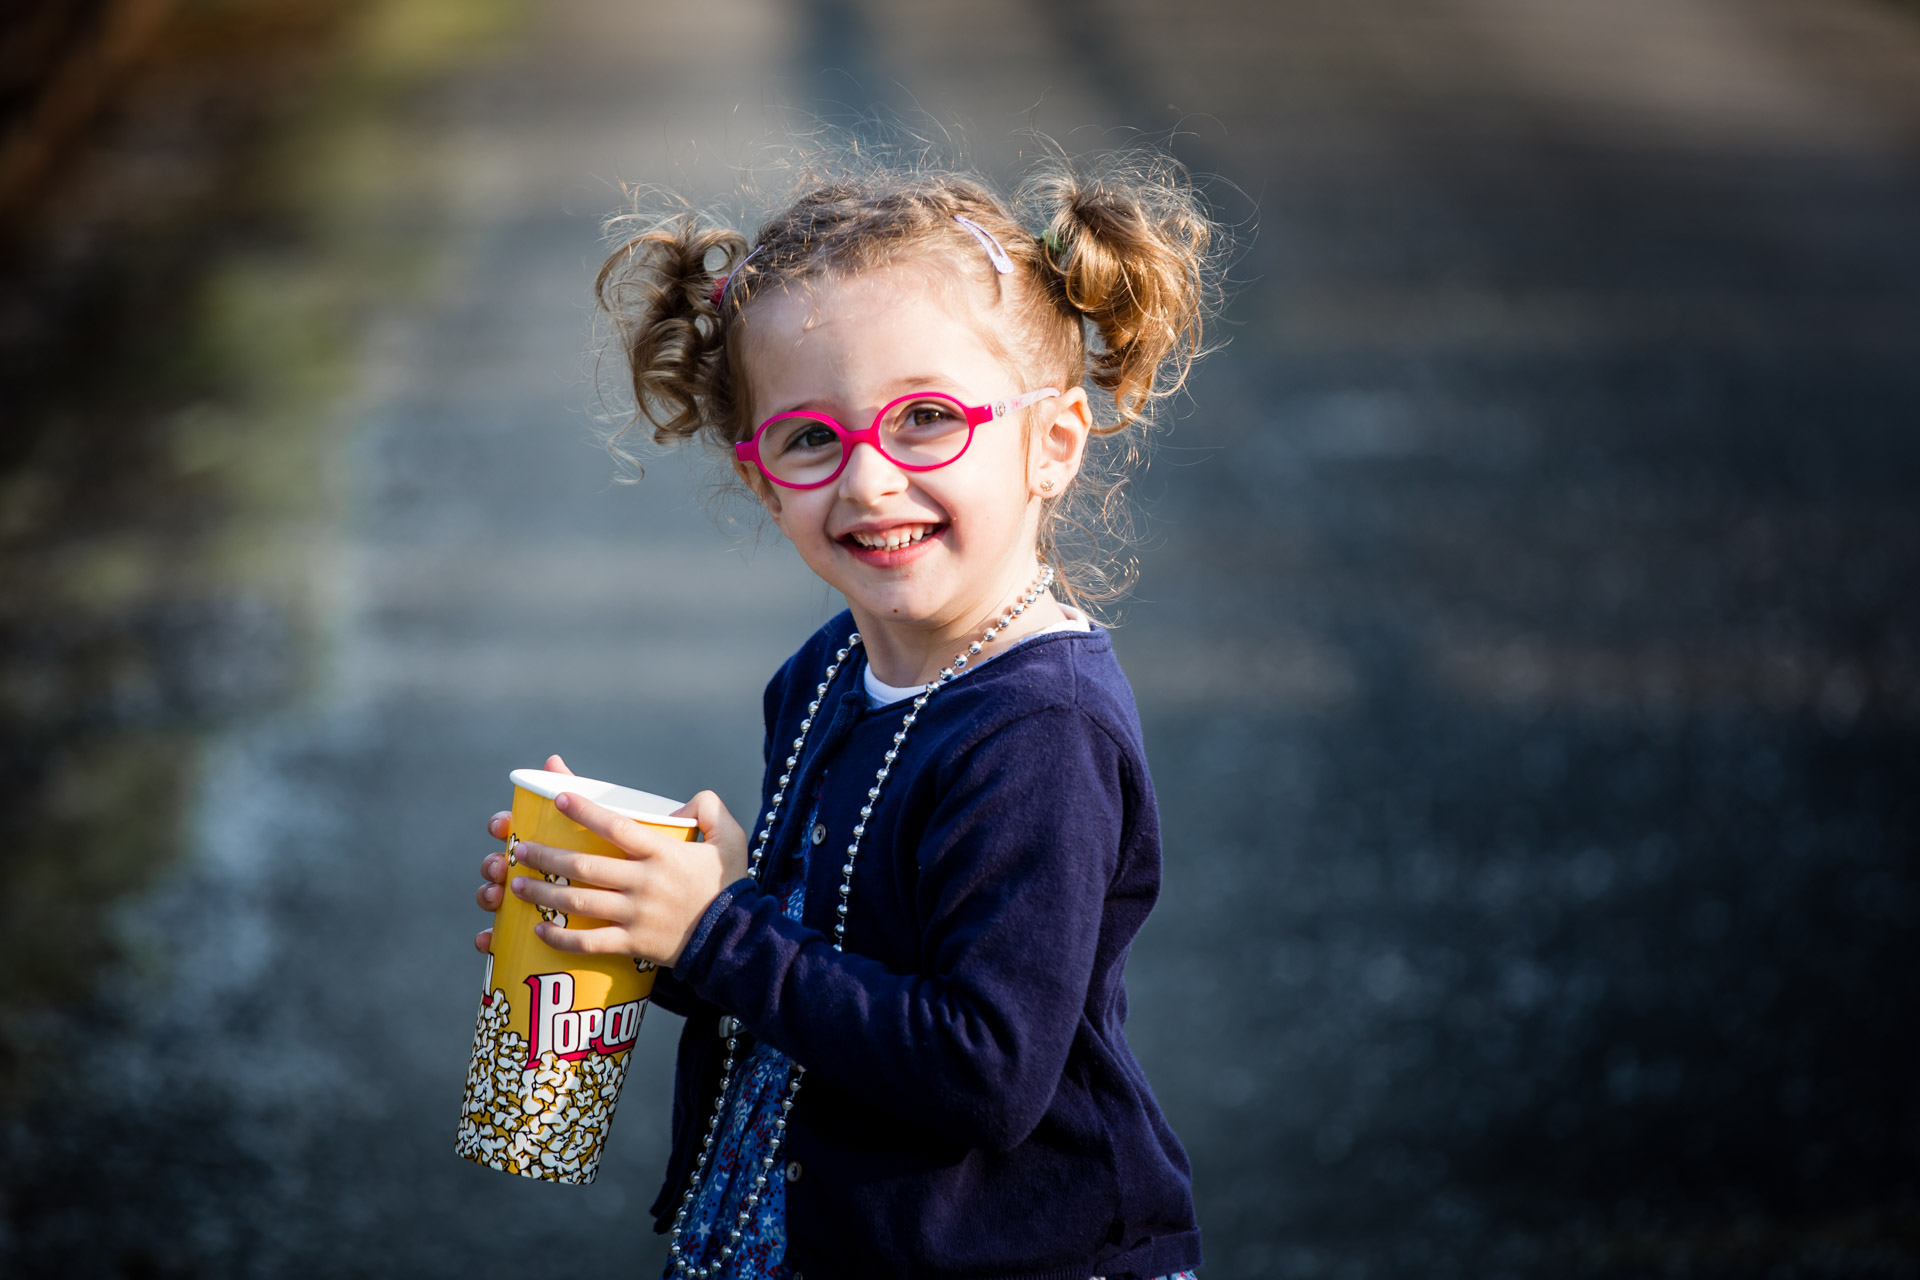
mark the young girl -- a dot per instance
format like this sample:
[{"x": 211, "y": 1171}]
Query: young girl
[{"x": 903, "y": 1051}]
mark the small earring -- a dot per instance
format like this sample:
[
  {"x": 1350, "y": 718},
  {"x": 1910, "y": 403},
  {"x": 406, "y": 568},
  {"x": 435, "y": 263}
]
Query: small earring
[{"x": 1046, "y": 486}]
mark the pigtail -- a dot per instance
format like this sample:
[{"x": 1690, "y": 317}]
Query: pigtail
[
  {"x": 1128, "y": 248},
  {"x": 657, "y": 291}
]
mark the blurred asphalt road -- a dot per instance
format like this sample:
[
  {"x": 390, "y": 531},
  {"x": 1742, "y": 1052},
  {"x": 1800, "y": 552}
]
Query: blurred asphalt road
[{"x": 1526, "y": 645}]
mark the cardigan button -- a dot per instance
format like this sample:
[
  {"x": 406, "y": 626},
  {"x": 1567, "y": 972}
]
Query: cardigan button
[
  {"x": 819, "y": 832},
  {"x": 793, "y": 1171}
]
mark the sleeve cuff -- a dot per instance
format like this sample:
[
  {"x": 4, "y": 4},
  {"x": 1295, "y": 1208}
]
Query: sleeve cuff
[{"x": 709, "y": 918}]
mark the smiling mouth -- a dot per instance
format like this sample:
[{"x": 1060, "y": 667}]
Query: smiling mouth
[{"x": 895, "y": 539}]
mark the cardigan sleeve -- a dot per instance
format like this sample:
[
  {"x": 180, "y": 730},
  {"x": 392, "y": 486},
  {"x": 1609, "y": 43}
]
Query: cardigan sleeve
[
  {"x": 673, "y": 995},
  {"x": 1014, "y": 868}
]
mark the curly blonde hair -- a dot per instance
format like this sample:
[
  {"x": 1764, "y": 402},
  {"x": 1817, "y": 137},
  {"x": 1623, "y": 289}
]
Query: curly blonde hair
[{"x": 1116, "y": 261}]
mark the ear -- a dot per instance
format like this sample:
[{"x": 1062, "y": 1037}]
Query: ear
[
  {"x": 760, "y": 487},
  {"x": 1058, "y": 445}
]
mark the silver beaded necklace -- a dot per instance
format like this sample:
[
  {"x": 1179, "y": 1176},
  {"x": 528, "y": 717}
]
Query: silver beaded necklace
[{"x": 681, "y": 1266}]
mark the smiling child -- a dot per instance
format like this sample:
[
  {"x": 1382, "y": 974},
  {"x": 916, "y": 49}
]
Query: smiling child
[{"x": 904, "y": 1050}]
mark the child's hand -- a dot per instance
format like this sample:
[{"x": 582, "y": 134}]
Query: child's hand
[
  {"x": 652, "y": 898},
  {"x": 493, "y": 867}
]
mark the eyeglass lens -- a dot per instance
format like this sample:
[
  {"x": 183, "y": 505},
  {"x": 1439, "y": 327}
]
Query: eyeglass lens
[{"x": 926, "y": 431}]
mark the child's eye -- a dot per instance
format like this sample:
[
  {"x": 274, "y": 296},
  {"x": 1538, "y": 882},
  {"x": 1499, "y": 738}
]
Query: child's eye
[
  {"x": 802, "y": 436},
  {"x": 932, "y": 415}
]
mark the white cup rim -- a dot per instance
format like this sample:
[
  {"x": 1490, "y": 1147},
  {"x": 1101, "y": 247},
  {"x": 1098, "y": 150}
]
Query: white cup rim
[{"x": 642, "y": 806}]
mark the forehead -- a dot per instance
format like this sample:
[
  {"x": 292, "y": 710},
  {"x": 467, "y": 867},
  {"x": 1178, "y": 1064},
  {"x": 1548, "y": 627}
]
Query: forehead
[{"x": 849, "y": 338}]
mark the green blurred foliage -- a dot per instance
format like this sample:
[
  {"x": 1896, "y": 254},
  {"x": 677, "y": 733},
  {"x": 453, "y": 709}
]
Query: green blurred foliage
[{"x": 195, "y": 282}]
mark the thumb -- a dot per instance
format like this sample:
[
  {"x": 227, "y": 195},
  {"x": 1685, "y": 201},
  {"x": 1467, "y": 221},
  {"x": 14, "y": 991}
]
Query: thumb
[
  {"x": 711, "y": 815},
  {"x": 556, "y": 765}
]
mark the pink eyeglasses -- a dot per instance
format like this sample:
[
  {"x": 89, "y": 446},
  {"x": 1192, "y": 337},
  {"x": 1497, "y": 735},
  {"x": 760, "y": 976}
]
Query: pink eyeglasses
[{"x": 918, "y": 432}]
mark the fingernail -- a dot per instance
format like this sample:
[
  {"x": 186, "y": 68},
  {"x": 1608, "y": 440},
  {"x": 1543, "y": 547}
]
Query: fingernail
[
  {"x": 563, "y": 802},
  {"x": 519, "y": 883}
]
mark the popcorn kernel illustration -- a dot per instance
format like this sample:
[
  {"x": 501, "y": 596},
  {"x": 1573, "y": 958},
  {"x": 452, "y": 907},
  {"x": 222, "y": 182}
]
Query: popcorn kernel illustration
[{"x": 543, "y": 1108}]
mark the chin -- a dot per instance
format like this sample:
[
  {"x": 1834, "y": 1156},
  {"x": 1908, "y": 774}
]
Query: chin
[{"x": 903, "y": 607}]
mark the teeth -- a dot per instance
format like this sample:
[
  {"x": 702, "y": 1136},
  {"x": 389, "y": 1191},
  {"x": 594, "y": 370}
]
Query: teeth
[{"x": 894, "y": 539}]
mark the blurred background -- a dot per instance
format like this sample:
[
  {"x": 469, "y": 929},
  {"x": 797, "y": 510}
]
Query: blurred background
[{"x": 1526, "y": 638}]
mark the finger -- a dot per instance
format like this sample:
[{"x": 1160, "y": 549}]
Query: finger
[
  {"x": 604, "y": 941},
  {"x": 494, "y": 867},
  {"x": 715, "y": 821},
  {"x": 582, "y": 868},
  {"x": 483, "y": 942},
  {"x": 617, "y": 830},
  {"x": 571, "y": 899},
  {"x": 489, "y": 896},
  {"x": 500, "y": 824}
]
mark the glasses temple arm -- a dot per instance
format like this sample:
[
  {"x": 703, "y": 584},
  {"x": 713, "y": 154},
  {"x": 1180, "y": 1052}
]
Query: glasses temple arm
[{"x": 1001, "y": 408}]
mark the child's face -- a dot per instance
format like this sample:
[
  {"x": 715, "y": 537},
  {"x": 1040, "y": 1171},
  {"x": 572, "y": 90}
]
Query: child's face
[{"x": 963, "y": 536}]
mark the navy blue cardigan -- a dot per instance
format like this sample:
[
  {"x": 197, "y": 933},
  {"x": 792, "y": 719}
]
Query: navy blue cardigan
[{"x": 971, "y": 1107}]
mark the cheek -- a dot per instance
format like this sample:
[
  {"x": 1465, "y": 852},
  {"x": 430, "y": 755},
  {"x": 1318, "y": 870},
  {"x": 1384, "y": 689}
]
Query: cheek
[
  {"x": 991, "y": 498},
  {"x": 1008, "y": 471},
  {"x": 802, "y": 514}
]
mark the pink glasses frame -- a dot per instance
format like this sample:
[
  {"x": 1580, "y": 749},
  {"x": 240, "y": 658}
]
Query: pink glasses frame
[{"x": 749, "y": 450}]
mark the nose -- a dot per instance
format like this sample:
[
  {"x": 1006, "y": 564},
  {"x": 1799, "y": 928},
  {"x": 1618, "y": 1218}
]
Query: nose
[{"x": 870, "y": 474}]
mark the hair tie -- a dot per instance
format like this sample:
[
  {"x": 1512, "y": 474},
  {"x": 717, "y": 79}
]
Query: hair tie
[
  {"x": 720, "y": 290},
  {"x": 997, "y": 255}
]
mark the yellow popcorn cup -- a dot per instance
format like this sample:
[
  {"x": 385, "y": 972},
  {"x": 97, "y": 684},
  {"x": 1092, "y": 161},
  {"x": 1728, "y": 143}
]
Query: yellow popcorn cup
[{"x": 555, "y": 1030}]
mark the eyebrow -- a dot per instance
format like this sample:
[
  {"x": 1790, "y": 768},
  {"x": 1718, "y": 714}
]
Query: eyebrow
[{"x": 891, "y": 390}]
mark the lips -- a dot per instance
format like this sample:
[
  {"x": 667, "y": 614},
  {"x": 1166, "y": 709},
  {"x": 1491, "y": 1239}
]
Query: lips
[
  {"x": 903, "y": 535},
  {"x": 896, "y": 544}
]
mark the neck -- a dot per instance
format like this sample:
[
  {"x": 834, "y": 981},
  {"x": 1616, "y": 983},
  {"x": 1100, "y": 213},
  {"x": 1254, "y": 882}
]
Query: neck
[{"x": 907, "y": 654}]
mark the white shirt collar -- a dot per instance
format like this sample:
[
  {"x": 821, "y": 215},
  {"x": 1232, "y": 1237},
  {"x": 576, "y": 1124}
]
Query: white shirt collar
[{"x": 880, "y": 693}]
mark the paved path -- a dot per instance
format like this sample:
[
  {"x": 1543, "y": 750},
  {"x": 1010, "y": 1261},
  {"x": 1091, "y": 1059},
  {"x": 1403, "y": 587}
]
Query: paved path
[{"x": 1525, "y": 646}]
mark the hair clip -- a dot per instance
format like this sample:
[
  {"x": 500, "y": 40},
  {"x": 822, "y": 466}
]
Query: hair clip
[
  {"x": 720, "y": 290},
  {"x": 1001, "y": 262},
  {"x": 1055, "y": 246}
]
